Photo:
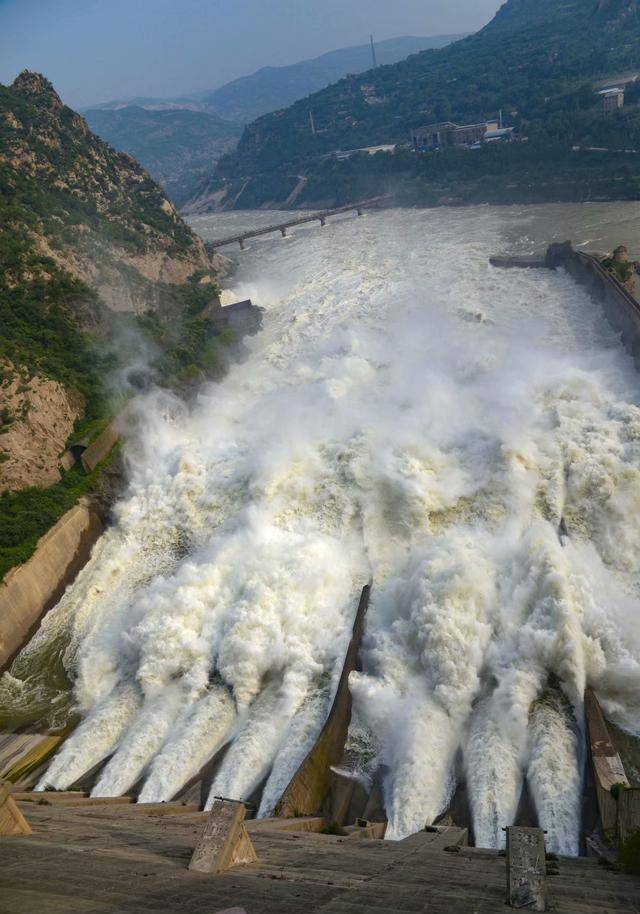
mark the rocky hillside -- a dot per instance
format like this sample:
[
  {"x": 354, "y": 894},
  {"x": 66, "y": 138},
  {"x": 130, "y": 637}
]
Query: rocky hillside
[
  {"x": 85, "y": 236},
  {"x": 178, "y": 147},
  {"x": 537, "y": 61},
  {"x": 95, "y": 212}
]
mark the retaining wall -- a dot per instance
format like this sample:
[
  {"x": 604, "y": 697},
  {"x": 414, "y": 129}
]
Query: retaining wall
[
  {"x": 102, "y": 446},
  {"x": 30, "y": 590},
  {"x": 620, "y": 306},
  {"x": 607, "y": 767}
]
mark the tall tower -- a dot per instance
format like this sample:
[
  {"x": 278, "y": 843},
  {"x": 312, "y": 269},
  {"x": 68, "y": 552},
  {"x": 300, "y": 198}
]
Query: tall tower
[
  {"x": 374, "y": 57},
  {"x": 312, "y": 123}
]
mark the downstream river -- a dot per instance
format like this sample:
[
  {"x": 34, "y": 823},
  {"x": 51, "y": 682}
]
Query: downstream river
[{"x": 468, "y": 439}]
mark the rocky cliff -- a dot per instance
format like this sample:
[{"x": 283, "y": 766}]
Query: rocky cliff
[
  {"x": 94, "y": 211},
  {"x": 84, "y": 233}
]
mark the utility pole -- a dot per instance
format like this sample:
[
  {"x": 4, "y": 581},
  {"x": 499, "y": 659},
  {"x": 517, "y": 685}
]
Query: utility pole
[
  {"x": 374, "y": 57},
  {"x": 312, "y": 123}
]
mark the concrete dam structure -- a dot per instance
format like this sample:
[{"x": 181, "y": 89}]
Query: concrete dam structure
[{"x": 237, "y": 736}]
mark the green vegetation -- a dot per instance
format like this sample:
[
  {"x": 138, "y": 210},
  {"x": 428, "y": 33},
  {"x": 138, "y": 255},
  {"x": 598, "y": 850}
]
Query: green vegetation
[
  {"x": 629, "y": 855},
  {"x": 67, "y": 200},
  {"x": 93, "y": 187},
  {"x": 333, "y": 828},
  {"x": 178, "y": 147},
  {"x": 273, "y": 88},
  {"x": 189, "y": 351},
  {"x": 538, "y": 61},
  {"x": 25, "y": 516}
]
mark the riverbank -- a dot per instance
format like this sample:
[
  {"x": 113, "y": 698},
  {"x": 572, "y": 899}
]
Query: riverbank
[{"x": 509, "y": 174}]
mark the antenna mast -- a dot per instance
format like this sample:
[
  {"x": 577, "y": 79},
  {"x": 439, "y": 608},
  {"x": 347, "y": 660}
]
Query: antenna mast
[{"x": 374, "y": 57}]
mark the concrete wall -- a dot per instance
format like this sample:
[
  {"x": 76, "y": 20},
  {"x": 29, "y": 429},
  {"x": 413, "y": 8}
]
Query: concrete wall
[
  {"x": 608, "y": 770},
  {"x": 101, "y": 447},
  {"x": 30, "y": 590},
  {"x": 309, "y": 786},
  {"x": 621, "y": 308}
]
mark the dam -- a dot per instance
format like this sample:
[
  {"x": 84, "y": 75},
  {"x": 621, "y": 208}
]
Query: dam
[{"x": 409, "y": 416}]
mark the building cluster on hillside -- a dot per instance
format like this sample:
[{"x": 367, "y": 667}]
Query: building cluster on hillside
[
  {"x": 447, "y": 134},
  {"x": 612, "y": 99}
]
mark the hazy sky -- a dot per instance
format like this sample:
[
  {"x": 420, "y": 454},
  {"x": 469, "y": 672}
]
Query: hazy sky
[{"x": 97, "y": 50}]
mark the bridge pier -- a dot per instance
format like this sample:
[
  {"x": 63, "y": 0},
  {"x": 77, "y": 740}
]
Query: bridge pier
[
  {"x": 323, "y": 221},
  {"x": 241, "y": 243},
  {"x": 284, "y": 232},
  {"x": 359, "y": 210}
]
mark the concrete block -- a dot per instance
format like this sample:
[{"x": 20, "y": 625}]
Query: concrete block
[
  {"x": 370, "y": 830},
  {"x": 526, "y": 869},
  {"x": 12, "y": 822},
  {"x": 224, "y": 842}
]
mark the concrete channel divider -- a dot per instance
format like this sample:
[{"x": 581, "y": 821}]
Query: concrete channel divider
[
  {"x": 526, "y": 869},
  {"x": 606, "y": 764},
  {"x": 225, "y": 842},
  {"x": 12, "y": 822},
  {"x": 307, "y": 790}
]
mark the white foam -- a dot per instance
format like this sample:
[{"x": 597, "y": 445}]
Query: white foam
[{"x": 375, "y": 431}]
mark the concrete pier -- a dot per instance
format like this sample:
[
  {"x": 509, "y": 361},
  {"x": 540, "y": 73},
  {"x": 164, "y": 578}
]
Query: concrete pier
[
  {"x": 608, "y": 770},
  {"x": 224, "y": 842},
  {"x": 526, "y": 869}
]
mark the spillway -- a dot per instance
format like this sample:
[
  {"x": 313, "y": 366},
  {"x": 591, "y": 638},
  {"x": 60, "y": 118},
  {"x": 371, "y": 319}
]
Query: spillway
[{"x": 411, "y": 416}]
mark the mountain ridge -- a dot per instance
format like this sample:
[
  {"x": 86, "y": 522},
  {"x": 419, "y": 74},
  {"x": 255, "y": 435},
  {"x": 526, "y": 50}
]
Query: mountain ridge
[
  {"x": 536, "y": 61},
  {"x": 227, "y": 101},
  {"x": 179, "y": 147}
]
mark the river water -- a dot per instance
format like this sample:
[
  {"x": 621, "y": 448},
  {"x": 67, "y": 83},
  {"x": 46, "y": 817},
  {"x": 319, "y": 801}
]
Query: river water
[{"x": 411, "y": 416}]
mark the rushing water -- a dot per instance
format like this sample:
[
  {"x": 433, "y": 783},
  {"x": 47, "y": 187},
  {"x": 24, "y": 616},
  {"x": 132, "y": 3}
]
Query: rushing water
[{"x": 408, "y": 415}]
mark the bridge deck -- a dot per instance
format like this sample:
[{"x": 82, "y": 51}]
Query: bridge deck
[{"x": 282, "y": 227}]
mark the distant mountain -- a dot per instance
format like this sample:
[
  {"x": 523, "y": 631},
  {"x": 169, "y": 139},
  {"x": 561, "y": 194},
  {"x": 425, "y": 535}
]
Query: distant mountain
[
  {"x": 538, "y": 61},
  {"x": 180, "y": 140},
  {"x": 272, "y": 88},
  {"x": 178, "y": 147}
]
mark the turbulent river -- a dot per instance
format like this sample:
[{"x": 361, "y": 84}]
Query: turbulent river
[{"x": 467, "y": 439}]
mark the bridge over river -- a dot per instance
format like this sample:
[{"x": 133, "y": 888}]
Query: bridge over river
[{"x": 282, "y": 227}]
